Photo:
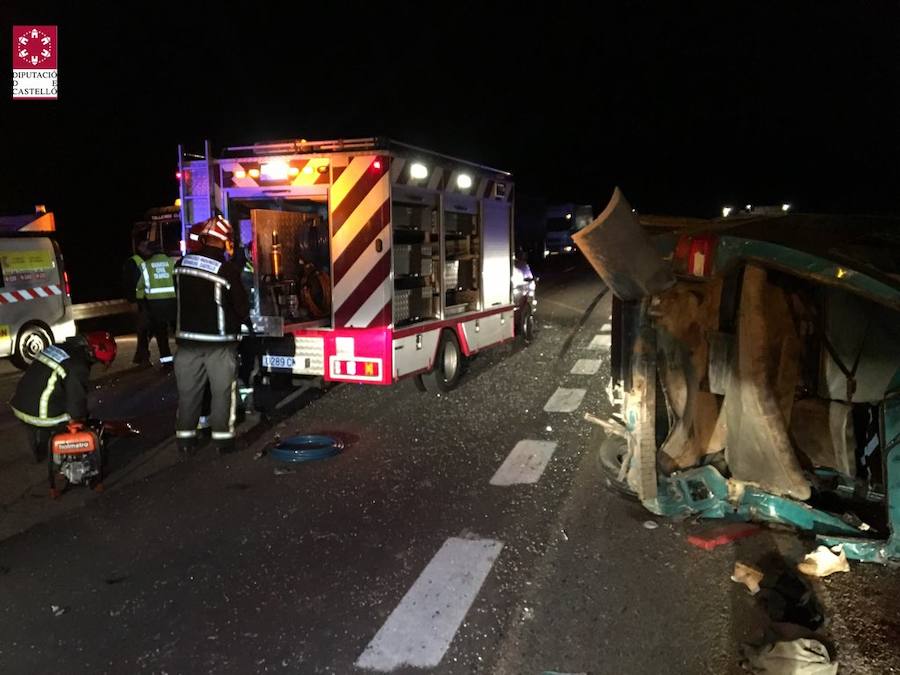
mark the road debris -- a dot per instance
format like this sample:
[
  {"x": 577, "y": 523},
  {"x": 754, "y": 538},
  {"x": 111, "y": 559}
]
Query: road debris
[
  {"x": 279, "y": 471},
  {"x": 824, "y": 561},
  {"x": 57, "y": 610},
  {"x": 720, "y": 536},
  {"x": 650, "y": 525},
  {"x": 564, "y": 535},
  {"x": 795, "y": 657},
  {"x": 747, "y": 575}
]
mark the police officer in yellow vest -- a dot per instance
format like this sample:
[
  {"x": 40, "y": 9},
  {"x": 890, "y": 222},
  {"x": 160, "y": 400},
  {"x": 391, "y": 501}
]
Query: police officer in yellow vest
[
  {"x": 159, "y": 296},
  {"x": 133, "y": 288}
]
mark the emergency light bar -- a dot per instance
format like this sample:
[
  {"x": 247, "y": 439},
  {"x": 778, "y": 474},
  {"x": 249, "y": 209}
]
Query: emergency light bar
[{"x": 277, "y": 170}]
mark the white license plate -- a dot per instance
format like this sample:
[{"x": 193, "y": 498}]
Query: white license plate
[{"x": 272, "y": 361}]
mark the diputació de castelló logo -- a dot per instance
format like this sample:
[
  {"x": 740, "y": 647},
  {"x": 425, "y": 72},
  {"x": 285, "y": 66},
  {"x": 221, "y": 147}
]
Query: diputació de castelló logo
[{"x": 35, "y": 53}]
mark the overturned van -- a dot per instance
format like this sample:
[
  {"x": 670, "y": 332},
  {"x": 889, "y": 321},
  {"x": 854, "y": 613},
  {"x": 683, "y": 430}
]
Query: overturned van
[{"x": 756, "y": 365}]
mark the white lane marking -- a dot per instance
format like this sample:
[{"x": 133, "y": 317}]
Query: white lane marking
[
  {"x": 565, "y": 400},
  {"x": 585, "y": 367},
  {"x": 420, "y": 629},
  {"x": 525, "y": 463},
  {"x": 600, "y": 342}
]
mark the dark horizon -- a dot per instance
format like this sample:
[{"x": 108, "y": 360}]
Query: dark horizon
[{"x": 684, "y": 111}]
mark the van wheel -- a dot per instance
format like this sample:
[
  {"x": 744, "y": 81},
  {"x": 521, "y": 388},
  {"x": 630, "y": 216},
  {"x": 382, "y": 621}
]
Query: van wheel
[
  {"x": 31, "y": 341},
  {"x": 448, "y": 366}
]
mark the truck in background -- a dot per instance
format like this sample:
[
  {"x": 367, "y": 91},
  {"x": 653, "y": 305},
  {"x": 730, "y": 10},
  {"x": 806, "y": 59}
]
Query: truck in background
[
  {"x": 160, "y": 225},
  {"x": 372, "y": 260},
  {"x": 561, "y": 222},
  {"x": 35, "y": 305}
]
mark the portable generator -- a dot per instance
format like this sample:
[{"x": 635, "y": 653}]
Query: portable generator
[{"x": 75, "y": 459}]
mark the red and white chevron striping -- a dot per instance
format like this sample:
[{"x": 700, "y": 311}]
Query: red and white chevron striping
[{"x": 26, "y": 294}]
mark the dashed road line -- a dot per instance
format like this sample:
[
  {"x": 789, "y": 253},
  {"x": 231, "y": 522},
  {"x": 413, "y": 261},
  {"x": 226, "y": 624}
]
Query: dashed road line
[
  {"x": 565, "y": 400},
  {"x": 600, "y": 342},
  {"x": 525, "y": 463},
  {"x": 585, "y": 367},
  {"x": 420, "y": 629}
]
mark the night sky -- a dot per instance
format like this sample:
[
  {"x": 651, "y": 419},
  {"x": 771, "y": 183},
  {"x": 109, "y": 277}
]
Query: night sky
[{"x": 686, "y": 106}]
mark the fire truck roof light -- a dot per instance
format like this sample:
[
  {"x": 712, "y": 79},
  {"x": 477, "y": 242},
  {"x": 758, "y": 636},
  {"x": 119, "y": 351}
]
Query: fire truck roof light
[
  {"x": 307, "y": 169},
  {"x": 464, "y": 181},
  {"x": 276, "y": 170},
  {"x": 253, "y": 173},
  {"x": 376, "y": 165},
  {"x": 293, "y": 171},
  {"x": 240, "y": 173},
  {"x": 418, "y": 171}
]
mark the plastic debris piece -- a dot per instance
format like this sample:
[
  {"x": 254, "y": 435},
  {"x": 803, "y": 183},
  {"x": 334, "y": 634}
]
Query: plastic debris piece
[
  {"x": 650, "y": 524},
  {"x": 279, "y": 471},
  {"x": 803, "y": 656},
  {"x": 747, "y": 575},
  {"x": 57, "y": 610},
  {"x": 824, "y": 561},
  {"x": 259, "y": 454},
  {"x": 720, "y": 536}
]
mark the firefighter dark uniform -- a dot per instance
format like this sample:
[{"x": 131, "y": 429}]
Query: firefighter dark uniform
[
  {"x": 212, "y": 304},
  {"x": 159, "y": 295},
  {"x": 54, "y": 388},
  {"x": 133, "y": 286}
]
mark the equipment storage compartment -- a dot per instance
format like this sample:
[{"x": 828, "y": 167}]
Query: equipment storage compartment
[
  {"x": 291, "y": 260},
  {"x": 462, "y": 258},
  {"x": 415, "y": 247}
]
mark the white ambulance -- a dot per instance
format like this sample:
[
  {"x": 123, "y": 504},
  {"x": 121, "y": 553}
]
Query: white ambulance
[
  {"x": 370, "y": 261},
  {"x": 35, "y": 307}
]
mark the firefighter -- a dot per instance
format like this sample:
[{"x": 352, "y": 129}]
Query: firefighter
[
  {"x": 159, "y": 296},
  {"x": 133, "y": 286},
  {"x": 212, "y": 305},
  {"x": 54, "y": 388}
]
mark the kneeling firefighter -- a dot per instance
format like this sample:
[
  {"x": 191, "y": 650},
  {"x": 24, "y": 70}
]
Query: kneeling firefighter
[
  {"x": 212, "y": 305},
  {"x": 54, "y": 389}
]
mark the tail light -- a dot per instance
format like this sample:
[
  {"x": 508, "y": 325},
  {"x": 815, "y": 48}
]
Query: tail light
[
  {"x": 694, "y": 255},
  {"x": 66, "y": 282}
]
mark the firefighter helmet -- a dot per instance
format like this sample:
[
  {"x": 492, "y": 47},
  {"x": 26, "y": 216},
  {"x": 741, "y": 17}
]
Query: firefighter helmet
[
  {"x": 217, "y": 227},
  {"x": 102, "y": 345}
]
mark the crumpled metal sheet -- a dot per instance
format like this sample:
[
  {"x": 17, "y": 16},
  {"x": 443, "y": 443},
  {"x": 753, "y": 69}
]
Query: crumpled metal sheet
[{"x": 621, "y": 252}]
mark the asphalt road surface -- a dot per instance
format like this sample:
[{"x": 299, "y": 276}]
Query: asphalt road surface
[{"x": 464, "y": 533}]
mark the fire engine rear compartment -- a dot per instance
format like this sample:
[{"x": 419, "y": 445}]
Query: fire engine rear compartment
[{"x": 287, "y": 242}]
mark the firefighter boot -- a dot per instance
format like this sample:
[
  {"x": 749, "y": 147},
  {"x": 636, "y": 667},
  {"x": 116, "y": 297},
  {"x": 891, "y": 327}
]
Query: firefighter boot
[
  {"x": 187, "y": 447},
  {"x": 226, "y": 446}
]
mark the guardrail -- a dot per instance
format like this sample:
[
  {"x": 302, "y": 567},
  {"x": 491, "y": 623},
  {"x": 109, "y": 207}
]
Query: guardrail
[{"x": 92, "y": 310}]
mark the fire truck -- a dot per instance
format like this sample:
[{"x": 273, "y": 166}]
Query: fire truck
[{"x": 368, "y": 260}]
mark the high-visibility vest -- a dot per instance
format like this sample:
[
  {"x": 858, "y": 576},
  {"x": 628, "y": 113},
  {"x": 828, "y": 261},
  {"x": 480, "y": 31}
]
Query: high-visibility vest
[
  {"x": 157, "y": 273},
  {"x": 139, "y": 283}
]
